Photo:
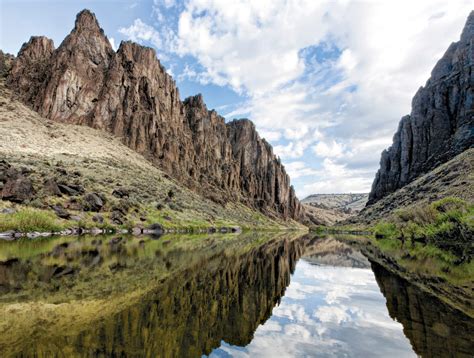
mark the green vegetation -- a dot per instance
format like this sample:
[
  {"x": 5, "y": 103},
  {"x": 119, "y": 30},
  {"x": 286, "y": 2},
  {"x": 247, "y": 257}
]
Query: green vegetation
[
  {"x": 444, "y": 226},
  {"x": 30, "y": 219}
]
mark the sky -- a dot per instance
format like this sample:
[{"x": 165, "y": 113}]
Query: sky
[{"x": 325, "y": 82}]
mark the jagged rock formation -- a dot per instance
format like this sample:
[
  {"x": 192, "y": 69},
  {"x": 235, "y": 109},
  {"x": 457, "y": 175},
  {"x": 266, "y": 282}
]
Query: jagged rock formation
[
  {"x": 6, "y": 60},
  {"x": 441, "y": 124},
  {"x": 50, "y": 165},
  {"x": 128, "y": 93}
]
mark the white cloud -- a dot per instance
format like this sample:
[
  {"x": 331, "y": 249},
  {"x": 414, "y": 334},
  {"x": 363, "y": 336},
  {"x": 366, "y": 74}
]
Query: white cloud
[
  {"x": 112, "y": 43},
  {"x": 336, "y": 178},
  {"x": 328, "y": 150},
  {"x": 375, "y": 56},
  {"x": 299, "y": 169},
  {"x": 140, "y": 32},
  {"x": 291, "y": 150},
  {"x": 333, "y": 314},
  {"x": 269, "y": 135}
]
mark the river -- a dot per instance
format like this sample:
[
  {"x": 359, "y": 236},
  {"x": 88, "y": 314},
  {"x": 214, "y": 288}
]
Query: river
[{"x": 248, "y": 295}]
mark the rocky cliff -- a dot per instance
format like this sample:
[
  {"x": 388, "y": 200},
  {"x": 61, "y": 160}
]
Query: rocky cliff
[
  {"x": 129, "y": 94},
  {"x": 441, "y": 123}
]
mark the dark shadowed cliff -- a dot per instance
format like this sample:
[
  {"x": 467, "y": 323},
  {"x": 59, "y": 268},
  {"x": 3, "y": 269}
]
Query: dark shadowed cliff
[
  {"x": 441, "y": 123},
  {"x": 129, "y": 94}
]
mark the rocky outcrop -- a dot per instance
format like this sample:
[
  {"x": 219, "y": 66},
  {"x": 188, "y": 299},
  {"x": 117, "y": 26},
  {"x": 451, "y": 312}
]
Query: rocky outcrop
[
  {"x": 15, "y": 186},
  {"x": 441, "y": 124},
  {"x": 129, "y": 94},
  {"x": 6, "y": 61},
  {"x": 263, "y": 179},
  {"x": 29, "y": 68}
]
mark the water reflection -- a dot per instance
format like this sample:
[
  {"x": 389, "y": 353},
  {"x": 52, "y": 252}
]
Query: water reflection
[
  {"x": 328, "y": 311},
  {"x": 434, "y": 328},
  {"x": 220, "y": 295},
  {"x": 196, "y": 294}
]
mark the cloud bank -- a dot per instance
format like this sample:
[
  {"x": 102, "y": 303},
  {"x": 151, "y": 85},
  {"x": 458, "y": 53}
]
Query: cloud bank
[{"x": 326, "y": 82}]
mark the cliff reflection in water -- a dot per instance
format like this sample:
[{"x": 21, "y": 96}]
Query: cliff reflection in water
[
  {"x": 434, "y": 328},
  {"x": 184, "y": 296},
  {"x": 224, "y": 295}
]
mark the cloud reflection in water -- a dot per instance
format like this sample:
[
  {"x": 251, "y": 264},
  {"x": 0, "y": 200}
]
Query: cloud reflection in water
[{"x": 327, "y": 311}]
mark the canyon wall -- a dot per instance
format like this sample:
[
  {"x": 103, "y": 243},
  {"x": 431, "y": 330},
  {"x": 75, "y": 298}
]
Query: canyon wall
[
  {"x": 441, "y": 123},
  {"x": 130, "y": 94}
]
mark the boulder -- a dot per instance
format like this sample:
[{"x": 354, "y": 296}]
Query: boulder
[
  {"x": 92, "y": 202},
  {"x": 70, "y": 189},
  {"x": 60, "y": 211},
  {"x": 18, "y": 190},
  {"x": 117, "y": 217},
  {"x": 98, "y": 218},
  {"x": 120, "y": 192},
  {"x": 50, "y": 187},
  {"x": 76, "y": 218}
]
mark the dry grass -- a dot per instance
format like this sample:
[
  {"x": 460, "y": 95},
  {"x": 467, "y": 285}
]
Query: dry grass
[
  {"x": 452, "y": 179},
  {"x": 101, "y": 163}
]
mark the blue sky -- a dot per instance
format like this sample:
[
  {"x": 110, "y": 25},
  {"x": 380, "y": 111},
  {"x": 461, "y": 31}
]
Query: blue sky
[{"x": 326, "y": 82}]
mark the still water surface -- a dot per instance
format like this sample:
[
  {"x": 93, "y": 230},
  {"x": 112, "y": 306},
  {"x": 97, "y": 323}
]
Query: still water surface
[{"x": 223, "y": 296}]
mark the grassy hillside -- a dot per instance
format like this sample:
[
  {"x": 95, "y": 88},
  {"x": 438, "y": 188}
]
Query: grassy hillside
[
  {"x": 452, "y": 179},
  {"x": 112, "y": 186},
  {"x": 354, "y": 202}
]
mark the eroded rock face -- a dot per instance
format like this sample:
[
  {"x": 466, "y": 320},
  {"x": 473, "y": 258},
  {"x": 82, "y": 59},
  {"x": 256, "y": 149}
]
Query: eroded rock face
[
  {"x": 29, "y": 69},
  {"x": 6, "y": 61},
  {"x": 441, "y": 124},
  {"x": 129, "y": 94}
]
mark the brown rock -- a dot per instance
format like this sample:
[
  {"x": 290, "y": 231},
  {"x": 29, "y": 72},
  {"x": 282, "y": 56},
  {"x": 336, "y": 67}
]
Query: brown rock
[
  {"x": 60, "y": 211},
  {"x": 92, "y": 202},
  {"x": 18, "y": 190},
  {"x": 129, "y": 94},
  {"x": 98, "y": 218},
  {"x": 50, "y": 187},
  {"x": 70, "y": 189},
  {"x": 441, "y": 123},
  {"x": 117, "y": 217}
]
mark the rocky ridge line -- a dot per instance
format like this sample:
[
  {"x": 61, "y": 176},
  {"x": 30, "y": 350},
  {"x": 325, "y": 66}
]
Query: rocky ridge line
[
  {"x": 441, "y": 124},
  {"x": 128, "y": 93}
]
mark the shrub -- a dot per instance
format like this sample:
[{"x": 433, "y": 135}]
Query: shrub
[
  {"x": 419, "y": 215},
  {"x": 450, "y": 204},
  {"x": 386, "y": 230},
  {"x": 29, "y": 219},
  {"x": 446, "y": 224}
]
